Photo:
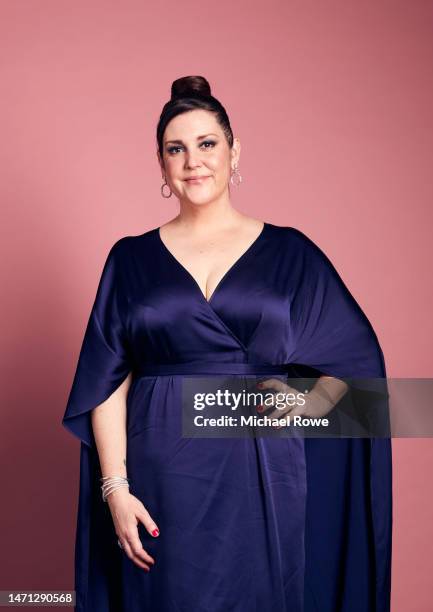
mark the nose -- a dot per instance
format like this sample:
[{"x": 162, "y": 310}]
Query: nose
[{"x": 192, "y": 160}]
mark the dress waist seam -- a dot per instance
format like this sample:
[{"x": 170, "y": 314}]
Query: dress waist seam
[{"x": 210, "y": 368}]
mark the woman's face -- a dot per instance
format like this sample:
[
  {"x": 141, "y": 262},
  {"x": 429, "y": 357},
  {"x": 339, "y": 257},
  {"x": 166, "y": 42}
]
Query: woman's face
[{"x": 194, "y": 145}]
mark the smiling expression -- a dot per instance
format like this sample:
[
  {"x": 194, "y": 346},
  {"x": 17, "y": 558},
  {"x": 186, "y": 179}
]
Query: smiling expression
[{"x": 197, "y": 159}]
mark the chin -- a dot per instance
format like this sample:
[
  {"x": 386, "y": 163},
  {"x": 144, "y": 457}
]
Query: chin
[
  {"x": 201, "y": 202},
  {"x": 200, "y": 199}
]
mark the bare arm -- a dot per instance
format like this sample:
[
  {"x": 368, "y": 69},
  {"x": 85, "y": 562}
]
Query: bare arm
[
  {"x": 330, "y": 388},
  {"x": 109, "y": 428}
]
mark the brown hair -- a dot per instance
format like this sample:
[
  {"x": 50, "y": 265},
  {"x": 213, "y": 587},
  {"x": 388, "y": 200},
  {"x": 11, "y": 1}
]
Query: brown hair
[{"x": 189, "y": 93}]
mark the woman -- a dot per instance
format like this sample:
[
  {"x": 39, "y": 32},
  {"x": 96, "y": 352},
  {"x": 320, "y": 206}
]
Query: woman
[{"x": 196, "y": 524}]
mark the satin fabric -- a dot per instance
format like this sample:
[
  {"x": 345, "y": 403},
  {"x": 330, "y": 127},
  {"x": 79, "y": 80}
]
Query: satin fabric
[{"x": 255, "y": 524}]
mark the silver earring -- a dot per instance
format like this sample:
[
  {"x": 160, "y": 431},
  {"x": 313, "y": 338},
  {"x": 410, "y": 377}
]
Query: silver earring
[
  {"x": 235, "y": 173},
  {"x": 162, "y": 190}
]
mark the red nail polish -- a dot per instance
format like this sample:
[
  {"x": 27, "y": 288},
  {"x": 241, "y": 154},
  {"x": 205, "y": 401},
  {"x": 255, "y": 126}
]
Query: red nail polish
[
  {"x": 155, "y": 532},
  {"x": 260, "y": 408},
  {"x": 260, "y": 385}
]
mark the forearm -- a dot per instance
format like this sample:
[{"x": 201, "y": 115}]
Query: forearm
[
  {"x": 330, "y": 388},
  {"x": 109, "y": 428}
]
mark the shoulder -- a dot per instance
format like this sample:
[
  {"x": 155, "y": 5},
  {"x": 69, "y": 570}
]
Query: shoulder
[
  {"x": 296, "y": 238},
  {"x": 305, "y": 255},
  {"x": 289, "y": 232},
  {"x": 125, "y": 245}
]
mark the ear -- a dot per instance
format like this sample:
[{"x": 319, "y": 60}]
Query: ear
[
  {"x": 235, "y": 151},
  {"x": 161, "y": 163}
]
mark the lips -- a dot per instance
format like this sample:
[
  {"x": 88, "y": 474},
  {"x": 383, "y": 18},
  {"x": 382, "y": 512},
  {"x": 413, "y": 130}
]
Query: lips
[{"x": 195, "y": 178}]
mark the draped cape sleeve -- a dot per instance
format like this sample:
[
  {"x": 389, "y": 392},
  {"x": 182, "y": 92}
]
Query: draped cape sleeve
[
  {"x": 104, "y": 360},
  {"x": 332, "y": 336},
  {"x": 103, "y": 364},
  {"x": 330, "y": 331}
]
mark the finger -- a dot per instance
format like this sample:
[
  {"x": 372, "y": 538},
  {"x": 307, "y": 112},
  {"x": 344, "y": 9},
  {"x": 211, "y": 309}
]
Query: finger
[
  {"x": 279, "y": 413},
  {"x": 272, "y": 383},
  {"x": 283, "y": 393},
  {"x": 148, "y": 522},
  {"x": 298, "y": 411},
  {"x": 129, "y": 552},
  {"x": 283, "y": 405},
  {"x": 284, "y": 412},
  {"x": 137, "y": 547},
  {"x": 269, "y": 402}
]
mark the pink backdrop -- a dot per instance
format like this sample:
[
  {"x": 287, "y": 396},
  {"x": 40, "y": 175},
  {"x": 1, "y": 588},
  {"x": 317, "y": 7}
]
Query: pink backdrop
[{"x": 332, "y": 102}]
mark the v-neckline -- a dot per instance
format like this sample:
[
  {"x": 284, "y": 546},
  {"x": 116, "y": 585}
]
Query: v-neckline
[{"x": 226, "y": 273}]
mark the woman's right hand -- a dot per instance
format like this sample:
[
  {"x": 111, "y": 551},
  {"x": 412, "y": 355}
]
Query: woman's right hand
[{"x": 126, "y": 511}]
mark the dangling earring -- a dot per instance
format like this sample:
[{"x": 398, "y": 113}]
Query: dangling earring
[
  {"x": 162, "y": 190},
  {"x": 236, "y": 173}
]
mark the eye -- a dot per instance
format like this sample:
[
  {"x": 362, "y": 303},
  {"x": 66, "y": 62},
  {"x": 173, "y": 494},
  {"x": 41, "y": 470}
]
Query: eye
[
  {"x": 171, "y": 150},
  {"x": 208, "y": 142}
]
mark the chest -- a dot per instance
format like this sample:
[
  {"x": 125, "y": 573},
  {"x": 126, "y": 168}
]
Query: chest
[
  {"x": 181, "y": 309},
  {"x": 207, "y": 262}
]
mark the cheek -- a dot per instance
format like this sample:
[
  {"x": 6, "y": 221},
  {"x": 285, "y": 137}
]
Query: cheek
[
  {"x": 220, "y": 166},
  {"x": 173, "y": 166}
]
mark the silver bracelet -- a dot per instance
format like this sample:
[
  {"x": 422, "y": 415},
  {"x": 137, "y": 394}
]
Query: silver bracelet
[{"x": 111, "y": 483}]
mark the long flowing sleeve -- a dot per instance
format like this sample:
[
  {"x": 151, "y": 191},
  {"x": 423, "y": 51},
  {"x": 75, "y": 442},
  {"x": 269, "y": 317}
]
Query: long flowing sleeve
[
  {"x": 330, "y": 331},
  {"x": 104, "y": 360},
  {"x": 332, "y": 336}
]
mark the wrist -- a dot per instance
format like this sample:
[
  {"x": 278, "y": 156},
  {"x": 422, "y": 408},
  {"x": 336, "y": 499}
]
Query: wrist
[
  {"x": 317, "y": 404},
  {"x": 110, "y": 484}
]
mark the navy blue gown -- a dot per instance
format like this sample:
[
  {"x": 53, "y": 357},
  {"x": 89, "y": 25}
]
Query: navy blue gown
[{"x": 246, "y": 524}]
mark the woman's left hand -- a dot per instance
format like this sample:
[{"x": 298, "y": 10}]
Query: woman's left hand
[{"x": 312, "y": 404}]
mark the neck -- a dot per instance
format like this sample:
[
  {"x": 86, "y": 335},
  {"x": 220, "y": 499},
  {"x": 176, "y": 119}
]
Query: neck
[{"x": 218, "y": 215}]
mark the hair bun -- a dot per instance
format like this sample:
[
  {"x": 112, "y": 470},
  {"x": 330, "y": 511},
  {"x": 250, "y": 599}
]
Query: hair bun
[{"x": 190, "y": 86}]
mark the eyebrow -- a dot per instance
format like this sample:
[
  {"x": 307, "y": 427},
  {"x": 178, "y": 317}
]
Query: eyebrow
[{"x": 198, "y": 138}]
